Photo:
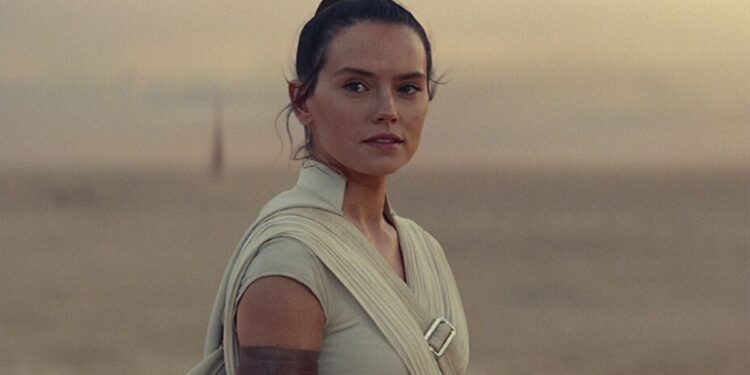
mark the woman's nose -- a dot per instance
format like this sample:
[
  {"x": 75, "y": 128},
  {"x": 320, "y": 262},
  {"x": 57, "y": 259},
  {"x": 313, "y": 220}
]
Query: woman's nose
[{"x": 386, "y": 112}]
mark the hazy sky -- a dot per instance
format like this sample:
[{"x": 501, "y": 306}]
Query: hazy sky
[{"x": 529, "y": 82}]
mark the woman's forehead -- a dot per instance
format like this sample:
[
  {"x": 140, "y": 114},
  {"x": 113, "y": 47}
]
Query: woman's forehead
[{"x": 376, "y": 47}]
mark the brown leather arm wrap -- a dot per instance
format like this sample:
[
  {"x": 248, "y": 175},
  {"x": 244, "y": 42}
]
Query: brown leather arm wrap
[{"x": 255, "y": 360}]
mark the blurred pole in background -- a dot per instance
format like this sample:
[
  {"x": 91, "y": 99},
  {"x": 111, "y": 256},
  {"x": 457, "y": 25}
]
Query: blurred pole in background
[{"x": 217, "y": 154}]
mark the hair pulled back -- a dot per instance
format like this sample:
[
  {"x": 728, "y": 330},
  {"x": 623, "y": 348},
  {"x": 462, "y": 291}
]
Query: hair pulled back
[{"x": 330, "y": 18}]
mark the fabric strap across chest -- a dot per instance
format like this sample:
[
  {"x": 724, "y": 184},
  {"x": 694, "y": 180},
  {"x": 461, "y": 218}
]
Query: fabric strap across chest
[{"x": 402, "y": 313}]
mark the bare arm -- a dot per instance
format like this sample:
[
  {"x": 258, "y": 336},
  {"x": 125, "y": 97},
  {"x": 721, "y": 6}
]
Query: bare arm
[{"x": 279, "y": 328}]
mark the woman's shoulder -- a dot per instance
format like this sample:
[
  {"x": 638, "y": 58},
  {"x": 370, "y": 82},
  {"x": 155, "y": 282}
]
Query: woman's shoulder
[
  {"x": 290, "y": 258},
  {"x": 281, "y": 304},
  {"x": 414, "y": 229},
  {"x": 286, "y": 254}
]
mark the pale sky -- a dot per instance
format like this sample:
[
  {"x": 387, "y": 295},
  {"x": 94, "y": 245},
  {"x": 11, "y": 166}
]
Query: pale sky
[{"x": 529, "y": 82}]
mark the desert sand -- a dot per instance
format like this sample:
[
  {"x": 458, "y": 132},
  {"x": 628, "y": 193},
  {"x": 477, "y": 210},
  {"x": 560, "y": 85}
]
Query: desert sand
[{"x": 601, "y": 271}]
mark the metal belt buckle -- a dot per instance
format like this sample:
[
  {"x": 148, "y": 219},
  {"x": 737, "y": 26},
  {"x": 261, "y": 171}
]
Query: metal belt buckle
[{"x": 438, "y": 351}]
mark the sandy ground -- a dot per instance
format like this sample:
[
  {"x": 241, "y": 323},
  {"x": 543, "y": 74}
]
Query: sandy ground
[{"x": 562, "y": 272}]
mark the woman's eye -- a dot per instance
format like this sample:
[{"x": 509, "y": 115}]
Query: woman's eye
[
  {"x": 409, "y": 89},
  {"x": 355, "y": 87}
]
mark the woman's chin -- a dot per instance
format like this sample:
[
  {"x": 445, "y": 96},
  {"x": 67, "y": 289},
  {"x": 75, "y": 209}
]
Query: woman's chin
[
  {"x": 383, "y": 168},
  {"x": 368, "y": 165}
]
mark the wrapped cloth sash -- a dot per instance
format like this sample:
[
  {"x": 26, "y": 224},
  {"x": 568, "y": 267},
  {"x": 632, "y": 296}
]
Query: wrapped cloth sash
[{"x": 403, "y": 313}]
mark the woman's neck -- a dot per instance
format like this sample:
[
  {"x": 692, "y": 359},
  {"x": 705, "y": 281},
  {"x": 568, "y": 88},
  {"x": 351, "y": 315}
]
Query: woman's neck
[{"x": 364, "y": 200}]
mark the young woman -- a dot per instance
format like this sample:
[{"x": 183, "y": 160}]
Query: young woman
[{"x": 329, "y": 280}]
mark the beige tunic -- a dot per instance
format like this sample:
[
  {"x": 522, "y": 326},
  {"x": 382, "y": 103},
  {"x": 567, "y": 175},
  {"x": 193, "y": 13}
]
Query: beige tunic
[
  {"x": 352, "y": 344},
  {"x": 311, "y": 213}
]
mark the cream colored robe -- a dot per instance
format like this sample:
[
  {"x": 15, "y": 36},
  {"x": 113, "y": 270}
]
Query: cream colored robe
[{"x": 311, "y": 213}]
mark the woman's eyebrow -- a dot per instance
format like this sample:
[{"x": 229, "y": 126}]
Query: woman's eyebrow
[
  {"x": 367, "y": 73},
  {"x": 412, "y": 75},
  {"x": 357, "y": 71}
]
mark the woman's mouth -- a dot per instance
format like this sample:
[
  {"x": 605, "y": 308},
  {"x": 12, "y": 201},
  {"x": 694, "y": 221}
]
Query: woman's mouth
[{"x": 384, "y": 141}]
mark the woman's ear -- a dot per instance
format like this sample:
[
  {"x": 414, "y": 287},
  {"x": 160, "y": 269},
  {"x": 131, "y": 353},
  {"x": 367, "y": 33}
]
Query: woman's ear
[{"x": 299, "y": 107}]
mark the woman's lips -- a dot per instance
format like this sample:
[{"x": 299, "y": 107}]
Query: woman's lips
[{"x": 384, "y": 141}]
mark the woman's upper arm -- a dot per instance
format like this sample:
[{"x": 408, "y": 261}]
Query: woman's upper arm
[{"x": 279, "y": 312}]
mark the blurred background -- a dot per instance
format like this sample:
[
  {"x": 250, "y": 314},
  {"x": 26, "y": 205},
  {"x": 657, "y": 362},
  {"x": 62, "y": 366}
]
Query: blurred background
[{"x": 586, "y": 167}]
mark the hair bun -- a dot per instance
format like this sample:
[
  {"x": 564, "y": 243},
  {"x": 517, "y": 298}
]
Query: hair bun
[{"x": 325, "y": 4}]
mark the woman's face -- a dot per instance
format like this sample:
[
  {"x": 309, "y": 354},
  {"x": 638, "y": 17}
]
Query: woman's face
[{"x": 367, "y": 110}]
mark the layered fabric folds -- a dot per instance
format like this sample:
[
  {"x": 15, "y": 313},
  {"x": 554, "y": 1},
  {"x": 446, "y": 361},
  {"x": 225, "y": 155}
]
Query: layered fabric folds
[{"x": 402, "y": 312}]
